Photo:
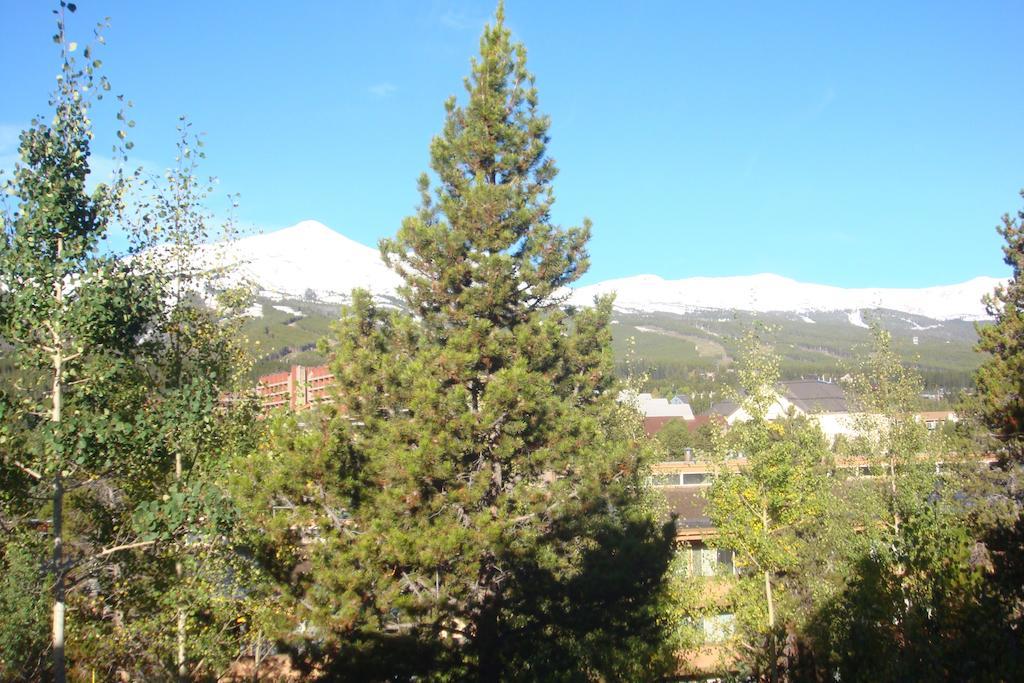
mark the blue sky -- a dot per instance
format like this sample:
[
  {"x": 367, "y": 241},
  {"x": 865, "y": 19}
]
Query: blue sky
[{"x": 854, "y": 144}]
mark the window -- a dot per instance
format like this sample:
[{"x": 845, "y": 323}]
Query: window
[
  {"x": 725, "y": 562},
  {"x": 665, "y": 479},
  {"x": 704, "y": 561},
  {"x": 718, "y": 628},
  {"x": 695, "y": 478}
]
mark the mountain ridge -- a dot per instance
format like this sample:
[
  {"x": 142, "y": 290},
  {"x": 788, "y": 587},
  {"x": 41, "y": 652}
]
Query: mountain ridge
[{"x": 311, "y": 257}]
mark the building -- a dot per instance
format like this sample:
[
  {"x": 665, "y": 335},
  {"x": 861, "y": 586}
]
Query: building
[
  {"x": 799, "y": 397},
  {"x": 657, "y": 412},
  {"x": 648, "y": 406},
  {"x": 937, "y": 419},
  {"x": 653, "y": 425},
  {"x": 822, "y": 402},
  {"x": 297, "y": 389},
  {"x": 683, "y": 484}
]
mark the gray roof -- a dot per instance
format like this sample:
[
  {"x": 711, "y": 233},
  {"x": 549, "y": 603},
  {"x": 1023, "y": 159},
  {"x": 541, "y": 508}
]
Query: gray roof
[
  {"x": 815, "y": 396},
  {"x": 688, "y": 504},
  {"x": 809, "y": 395},
  {"x": 722, "y": 408}
]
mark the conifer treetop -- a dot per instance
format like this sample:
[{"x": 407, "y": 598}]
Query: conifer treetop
[
  {"x": 999, "y": 403},
  {"x": 482, "y": 244}
]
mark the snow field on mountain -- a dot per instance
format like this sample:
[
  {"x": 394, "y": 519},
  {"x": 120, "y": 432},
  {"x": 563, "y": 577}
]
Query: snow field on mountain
[{"x": 310, "y": 257}]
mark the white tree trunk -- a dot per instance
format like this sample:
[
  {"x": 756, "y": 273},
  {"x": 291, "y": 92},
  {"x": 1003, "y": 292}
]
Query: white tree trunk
[
  {"x": 59, "y": 674},
  {"x": 57, "y": 396},
  {"x": 179, "y": 571}
]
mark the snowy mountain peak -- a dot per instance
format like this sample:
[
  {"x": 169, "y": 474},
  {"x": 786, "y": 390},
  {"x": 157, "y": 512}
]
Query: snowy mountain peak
[
  {"x": 307, "y": 228},
  {"x": 766, "y": 292},
  {"x": 308, "y": 234},
  {"x": 310, "y": 256}
]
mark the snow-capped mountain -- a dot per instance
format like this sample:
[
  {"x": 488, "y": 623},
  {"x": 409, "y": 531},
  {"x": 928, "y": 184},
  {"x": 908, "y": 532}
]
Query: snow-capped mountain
[
  {"x": 767, "y": 292},
  {"x": 310, "y": 256}
]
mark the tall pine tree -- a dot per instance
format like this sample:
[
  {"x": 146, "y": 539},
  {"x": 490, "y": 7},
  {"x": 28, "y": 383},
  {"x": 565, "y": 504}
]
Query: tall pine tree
[
  {"x": 999, "y": 406},
  {"x": 482, "y": 503},
  {"x": 1000, "y": 379}
]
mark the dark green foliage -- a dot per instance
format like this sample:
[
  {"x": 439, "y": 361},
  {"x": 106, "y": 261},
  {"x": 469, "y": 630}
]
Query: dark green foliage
[
  {"x": 998, "y": 407},
  {"x": 675, "y": 350},
  {"x": 479, "y": 502},
  {"x": 278, "y": 340},
  {"x": 924, "y": 610},
  {"x": 1000, "y": 380},
  {"x": 677, "y": 357},
  {"x": 682, "y": 442},
  {"x": 24, "y": 604},
  {"x": 897, "y": 585},
  {"x": 675, "y": 437}
]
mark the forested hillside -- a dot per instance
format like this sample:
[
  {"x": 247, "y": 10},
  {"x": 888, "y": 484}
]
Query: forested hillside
[{"x": 671, "y": 348}]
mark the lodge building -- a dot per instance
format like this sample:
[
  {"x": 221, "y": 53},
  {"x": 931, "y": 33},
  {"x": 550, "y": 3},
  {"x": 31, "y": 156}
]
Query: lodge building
[{"x": 299, "y": 388}]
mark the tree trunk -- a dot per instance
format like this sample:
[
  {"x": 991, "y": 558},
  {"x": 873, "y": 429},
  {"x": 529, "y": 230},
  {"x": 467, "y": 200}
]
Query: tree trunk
[
  {"x": 257, "y": 658},
  {"x": 772, "y": 649},
  {"x": 179, "y": 571},
  {"x": 180, "y": 659},
  {"x": 59, "y": 674},
  {"x": 770, "y": 601},
  {"x": 488, "y": 660},
  {"x": 894, "y": 492},
  {"x": 57, "y": 396}
]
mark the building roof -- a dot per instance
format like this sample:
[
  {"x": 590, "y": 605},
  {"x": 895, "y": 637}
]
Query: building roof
[
  {"x": 810, "y": 396},
  {"x": 815, "y": 396},
  {"x": 655, "y": 407},
  {"x": 687, "y": 503},
  {"x": 940, "y": 415},
  {"x": 653, "y": 425},
  {"x": 721, "y": 409},
  {"x": 660, "y": 407}
]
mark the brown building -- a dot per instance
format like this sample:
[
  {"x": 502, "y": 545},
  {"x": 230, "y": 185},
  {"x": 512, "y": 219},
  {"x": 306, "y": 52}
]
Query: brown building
[
  {"x": 299, "y": 388},
  {"x": 683, "y": 484}
]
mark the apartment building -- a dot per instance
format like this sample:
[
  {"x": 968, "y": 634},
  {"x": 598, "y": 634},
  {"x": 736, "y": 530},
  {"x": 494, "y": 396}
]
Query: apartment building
[{"x": 299, "y": 388}]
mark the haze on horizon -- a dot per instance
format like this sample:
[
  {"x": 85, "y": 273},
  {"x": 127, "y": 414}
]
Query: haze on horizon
[{"x": 857, "y": 146}]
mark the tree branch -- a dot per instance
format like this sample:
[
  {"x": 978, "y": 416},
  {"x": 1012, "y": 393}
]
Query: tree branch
[
  {"x": 27, "y": 470},
  {"x": 126, "y": 546}
]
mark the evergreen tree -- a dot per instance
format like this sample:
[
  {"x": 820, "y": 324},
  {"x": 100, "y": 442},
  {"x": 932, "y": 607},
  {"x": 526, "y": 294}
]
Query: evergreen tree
[
  {"x": 1000, "y": 379},
  {"x": 998, "y": 406},
  {"x": 483, "y": 509}
]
